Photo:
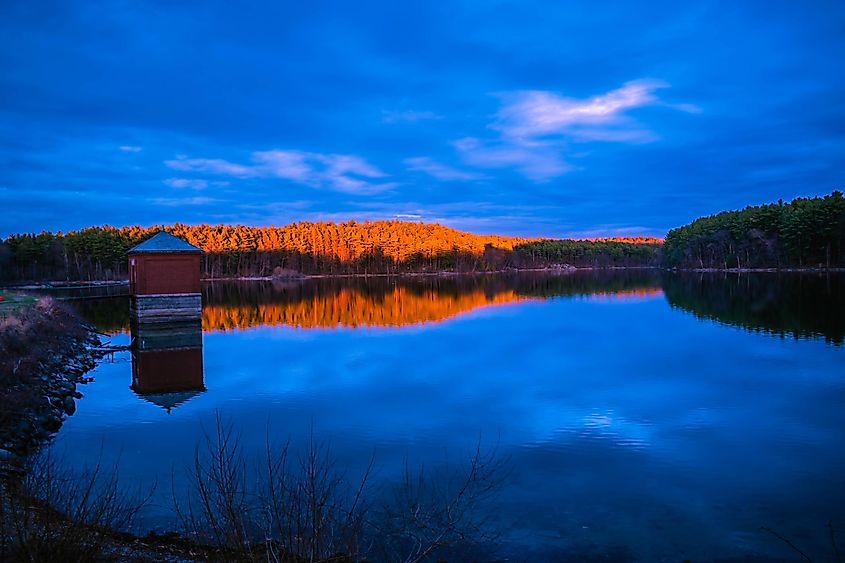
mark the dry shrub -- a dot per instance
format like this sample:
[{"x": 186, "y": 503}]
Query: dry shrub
[
  {"x": 54, "y": 514},
  {"x": 306, "y": 509}
]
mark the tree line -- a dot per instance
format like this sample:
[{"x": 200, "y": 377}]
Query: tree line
[
  {"x": 804, "y": 233},
  {"x": 377, "y": 247},
  {"x": 807, "y": 232}
]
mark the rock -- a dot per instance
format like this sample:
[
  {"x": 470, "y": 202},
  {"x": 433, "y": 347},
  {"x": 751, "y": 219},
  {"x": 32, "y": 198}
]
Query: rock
[
  {"x": 24, "y": 426},
  {"x": 10, "y": 457},
  {"x": 51, "y": 424},
  {"x": 10, "y": 463},
  {"x": 70, "y": 406},
  {"x": 50, "y": 392}
]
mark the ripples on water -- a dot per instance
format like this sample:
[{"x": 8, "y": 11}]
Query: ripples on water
[{"x": 645, "y": 415}]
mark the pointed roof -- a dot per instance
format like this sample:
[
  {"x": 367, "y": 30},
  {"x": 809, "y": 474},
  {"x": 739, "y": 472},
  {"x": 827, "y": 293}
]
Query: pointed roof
[
  {"x": 164, "y": 242},
  {"x": 172, "y": 399}
]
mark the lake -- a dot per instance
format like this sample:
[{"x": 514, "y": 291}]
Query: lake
[{"x": 642, "y": 415}]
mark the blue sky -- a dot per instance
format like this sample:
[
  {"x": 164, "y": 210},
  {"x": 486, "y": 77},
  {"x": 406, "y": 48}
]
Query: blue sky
[{"x": 528, "y": 118}]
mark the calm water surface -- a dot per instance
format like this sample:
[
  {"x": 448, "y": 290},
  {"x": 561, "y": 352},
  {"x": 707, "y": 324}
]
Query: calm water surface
[{"x": 644, "y": 416}]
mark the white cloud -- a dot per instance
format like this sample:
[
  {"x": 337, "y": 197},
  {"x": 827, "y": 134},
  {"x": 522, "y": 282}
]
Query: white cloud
[
  {"x": 290, "y": 165},
  {"x": 535, "y": 127},
  {"x": 440, "y": 171},
  {"x": 215, "y": 166},
  {"x": 614, "y": 230},
  {"x": 337, "y": 172},
  {"x": 408, "y": 116},
  {"x": 537, "y": 113},
  {"x": 176, "y": 202},
  {"x": 192, "y": 183},
  {"x": 130, "y": 148},
  {"x": 538, "y": 162}
]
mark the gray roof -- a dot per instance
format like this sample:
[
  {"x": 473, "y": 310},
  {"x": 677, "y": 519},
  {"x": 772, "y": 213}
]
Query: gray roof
[{"x": 164, "y": 242}]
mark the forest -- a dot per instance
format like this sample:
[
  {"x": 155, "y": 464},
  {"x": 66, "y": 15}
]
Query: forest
[
  {"x": 378, "y": 247},
  {"x": 805, "y": 233}
]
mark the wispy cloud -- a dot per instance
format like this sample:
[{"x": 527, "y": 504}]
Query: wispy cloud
[
  {"x": 180, "y": 201},
  {"x": 408, "y": 116},
  {"x": 130, "y": 148},
  {"x": 614, "y": 230},
  {"x": 536, "y": 161},
  {"x": 290, "y": 165},
  {"x": 214, "y": 166},
  {"x": 535, "y": 114},
  {"x": 440, "y": 171},
  {"x": 192, "y": 183},
  {"x": 338, "y": 172},
  {"x": 536, "y": 126}
]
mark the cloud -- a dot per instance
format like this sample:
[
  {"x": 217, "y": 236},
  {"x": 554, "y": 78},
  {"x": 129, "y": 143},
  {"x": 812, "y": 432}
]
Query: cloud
[
  {"x": 536, "y": 113},
  {"x": 408, "y": 116},
  {"x": 535, "y": 127},
  {"x": 177, "y": 202},
  {"x": 215, "y": 166},
  {"x": 614, "y": 230},
  {"x": 192, "y": 183},
  {"x": 130, "y": 148},
  {"x": 440, "y": 171},
  {"x": 290, "y": 165},
  {"x": 536, "y": 161},
  {"x": 337, "y": 172}
]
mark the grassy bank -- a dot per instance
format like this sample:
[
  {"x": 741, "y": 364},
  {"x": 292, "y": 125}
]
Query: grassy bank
[{"x": 12, "y": 303}]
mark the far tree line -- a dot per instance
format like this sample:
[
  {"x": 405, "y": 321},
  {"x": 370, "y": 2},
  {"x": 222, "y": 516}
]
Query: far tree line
[
  {"x": 376, "y": 247},
  {"x": 804, "y": 233}
]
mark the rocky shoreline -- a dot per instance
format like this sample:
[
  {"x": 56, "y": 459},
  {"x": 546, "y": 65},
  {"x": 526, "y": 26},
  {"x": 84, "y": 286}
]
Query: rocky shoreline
[{"x": 45, "y": 353}]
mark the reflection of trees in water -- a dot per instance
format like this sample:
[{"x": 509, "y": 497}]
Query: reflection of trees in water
[
  {"x": 392, "y": 301},
  {"x": 109, "y": 315},
  {"x": 378, "y": 301},
  {"x": 351, "y": 308},
  {"x": 800, "y": 305}
]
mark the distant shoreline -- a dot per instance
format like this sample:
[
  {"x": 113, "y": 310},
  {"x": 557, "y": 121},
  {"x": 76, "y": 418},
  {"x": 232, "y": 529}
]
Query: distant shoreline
[
  {"x": 56, "y": 284},
  {"x": 443, "y": 273},
  {"x": 758, "y": 270},
  {"x": 59, "y": 284}
]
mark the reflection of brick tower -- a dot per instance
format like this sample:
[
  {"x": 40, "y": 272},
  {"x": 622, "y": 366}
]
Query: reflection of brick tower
[
  {"x": 164, "y": 279},
  {"x": 167, "y": 367}
]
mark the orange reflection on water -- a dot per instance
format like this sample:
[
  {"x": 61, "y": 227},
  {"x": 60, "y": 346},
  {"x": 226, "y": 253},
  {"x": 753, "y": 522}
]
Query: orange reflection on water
[{"x": 352, "y": 308}]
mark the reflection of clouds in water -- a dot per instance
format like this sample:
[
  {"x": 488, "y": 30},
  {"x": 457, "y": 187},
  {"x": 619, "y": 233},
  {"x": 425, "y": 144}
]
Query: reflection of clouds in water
[
  {"x": 616, "y": 429},
  {"x": 564, "y": 428}
]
